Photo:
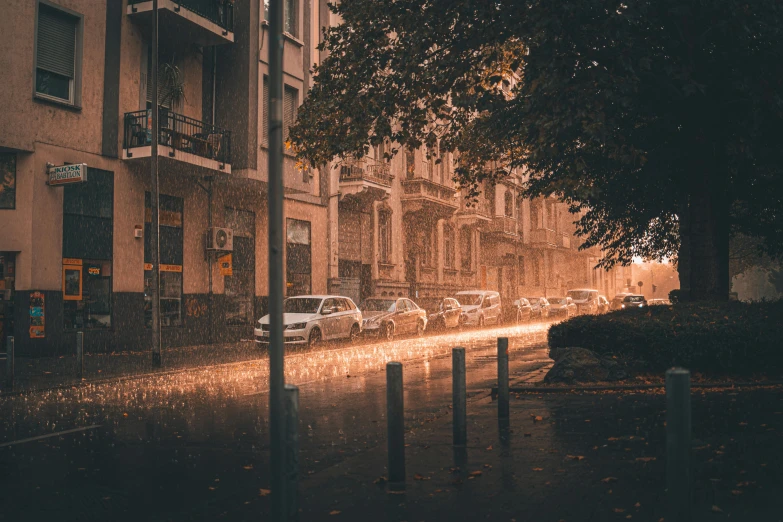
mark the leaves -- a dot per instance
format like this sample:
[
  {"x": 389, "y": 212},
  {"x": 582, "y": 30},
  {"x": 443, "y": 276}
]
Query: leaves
[
  {"x": 608, "y": 480},
  {"x": 263, "y": 492}
]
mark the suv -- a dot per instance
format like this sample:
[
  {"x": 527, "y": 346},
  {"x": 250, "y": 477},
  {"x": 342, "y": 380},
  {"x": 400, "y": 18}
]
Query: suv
[
  {"x": 310, "y": 319},
  {"x": 480, "y": 307},
  {"x": 585, "y": 299},
  {"x": 633, "y": 301}
]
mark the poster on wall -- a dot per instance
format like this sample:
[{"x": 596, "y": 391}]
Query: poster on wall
[
  {"x": 72, "y": 279},
  {"x": 226, "y": 265},
  {"x": 37, "y": 316}
]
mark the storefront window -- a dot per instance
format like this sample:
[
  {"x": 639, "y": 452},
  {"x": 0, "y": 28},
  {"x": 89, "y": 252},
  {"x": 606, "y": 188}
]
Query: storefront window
[
  {"x": 92, "y": 307},
  {"x": 298, "y": 258},
  {"x": 7, "y": 181},
  {"x": 240, "y": 285},
  {"x": 171, "y": 247}
]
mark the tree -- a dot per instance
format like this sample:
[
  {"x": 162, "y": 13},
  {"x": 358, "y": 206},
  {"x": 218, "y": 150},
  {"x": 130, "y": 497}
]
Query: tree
[{"x": 656, "y": 120}]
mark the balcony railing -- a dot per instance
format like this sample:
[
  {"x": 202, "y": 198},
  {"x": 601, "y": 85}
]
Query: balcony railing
[
  {"x": 178, "y": 132},
  {"x": 544, "y": 236},
  {"x": 360, "y": 171},
  {"x": 424, "y": 189},
  {"x": 480, "y": 208},
  {"x": 504, "y": 225},
  {"x": 220, "y": 12}
]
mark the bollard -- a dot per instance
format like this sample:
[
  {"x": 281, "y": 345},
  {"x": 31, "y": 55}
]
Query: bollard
[
  {"x": 459, "y": 397},
  {"x": 80, "y": 355},
  {"x": 291, "y": 399},
  {"x": 395, "y": 425},
  {"x": 9, "y": 363},
  {"x": 678, "y": 444},
  {"x": 503, "y": 378}
]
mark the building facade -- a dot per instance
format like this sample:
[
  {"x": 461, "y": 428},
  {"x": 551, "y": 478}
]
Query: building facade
[{"x": 75, "y": 253}]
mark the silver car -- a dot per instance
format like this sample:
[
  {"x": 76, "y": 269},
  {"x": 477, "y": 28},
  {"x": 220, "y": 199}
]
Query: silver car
[{"x": 310, "y": 319}]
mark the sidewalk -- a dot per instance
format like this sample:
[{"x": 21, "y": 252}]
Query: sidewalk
[{"x": 570, "y": 457}]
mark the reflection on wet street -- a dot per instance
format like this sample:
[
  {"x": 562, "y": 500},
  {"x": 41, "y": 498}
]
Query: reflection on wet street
[{"x": 195, "y": 443}]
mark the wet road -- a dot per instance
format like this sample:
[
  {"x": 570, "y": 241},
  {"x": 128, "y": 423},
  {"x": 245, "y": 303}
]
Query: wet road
[{"x": 194, "y": 445}]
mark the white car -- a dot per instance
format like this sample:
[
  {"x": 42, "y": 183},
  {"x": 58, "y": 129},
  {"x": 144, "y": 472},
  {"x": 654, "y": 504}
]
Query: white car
[
  {"x": 310, "y": 319},
  {"x": 585, "y": 299},
  {"x": 480, "y": 307}
]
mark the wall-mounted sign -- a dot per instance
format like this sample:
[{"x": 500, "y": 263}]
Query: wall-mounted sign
[
  {"x": 65, "y": 174},
  {"x": 37, "y": 316},
  {"x": 226, "y": 265},
  {"x": 72, "y": 279},
  {"x": 164, "y": 268}
]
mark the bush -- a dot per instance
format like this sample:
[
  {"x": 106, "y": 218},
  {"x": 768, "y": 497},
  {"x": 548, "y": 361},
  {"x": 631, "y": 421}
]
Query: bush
[{"x": 723, "y": 338}]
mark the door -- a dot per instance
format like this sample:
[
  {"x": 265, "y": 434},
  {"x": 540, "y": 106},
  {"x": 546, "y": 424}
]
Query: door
[
  {"x": 452, "y": 315},
  {"x": 495, "y": 309},
  {"x": 413, "y": 314},
  {"x": 329, "y": 323},
  {"x": 365, "y": 288},
  {"x": 345, "y": 318}
]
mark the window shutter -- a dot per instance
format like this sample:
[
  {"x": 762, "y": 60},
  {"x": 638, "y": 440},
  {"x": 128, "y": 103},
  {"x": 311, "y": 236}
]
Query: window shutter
[
  {"x": 163, "y": 90},
  {"x": 265, "y": 133},
  {"x": 56, "y": 41},
  {"x": 289, "y": 109}
]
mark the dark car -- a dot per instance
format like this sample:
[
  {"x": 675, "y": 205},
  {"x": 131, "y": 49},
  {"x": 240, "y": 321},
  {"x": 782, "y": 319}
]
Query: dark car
[
  {"x": 539, "y": 307},
  {"x": 385, "y": 318},
  {"x": 617, "y": 302},
  {"x": 442, "y": 313},
  {"x": 562, "y": 307},
  {"x": 515, "y": 310},
  {"x": 633, "y": 301},
  {"x": 603, "y": 304}
]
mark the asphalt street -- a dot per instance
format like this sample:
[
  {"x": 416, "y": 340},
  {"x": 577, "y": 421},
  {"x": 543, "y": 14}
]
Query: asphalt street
[{"x": 194, "y": 445}]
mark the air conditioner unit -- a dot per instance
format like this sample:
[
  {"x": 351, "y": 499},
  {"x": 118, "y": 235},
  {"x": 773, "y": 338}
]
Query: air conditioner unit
[{"x": 220, "y": 239}]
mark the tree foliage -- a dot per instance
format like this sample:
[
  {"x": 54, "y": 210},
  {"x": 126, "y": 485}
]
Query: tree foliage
[{"x": 620, "y": 108}]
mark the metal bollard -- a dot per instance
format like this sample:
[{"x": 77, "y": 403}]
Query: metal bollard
[
  {"x": 80, "y": 355},
  {"x": 459, "y": 397},
  {"x": 503, "y": 378},
  {"x": 395, "y": 424},
  {"x": 678, "y": 444},
  {"x": 9, "y": 363},
  {"x": 291, "y": 399}
]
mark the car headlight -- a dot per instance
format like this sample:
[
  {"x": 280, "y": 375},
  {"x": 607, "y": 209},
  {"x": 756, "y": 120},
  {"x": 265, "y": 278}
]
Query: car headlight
[
  {"x": 622, "y": 306},
  {"x": 296, "y": 326}
]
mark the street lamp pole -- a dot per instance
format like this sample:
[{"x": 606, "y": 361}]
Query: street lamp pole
[
  {"x": 155, "y": 196},
  {"x": 276, "y": 281}
]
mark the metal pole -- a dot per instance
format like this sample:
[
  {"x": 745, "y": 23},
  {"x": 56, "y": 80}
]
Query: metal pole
[
  {"x": 395, "y": 424},
  {"x": 292, "y": 450},
  {"x": 503, "y": 378},
  {"x": 9, "y": 363},
  {"x": 459, "y": 397},
  {"x": 276, "y": 281},
  {"x": 80, "y": 355},
  {"x": 678, "y": 444},
  {"x": 155, "y": 195}
]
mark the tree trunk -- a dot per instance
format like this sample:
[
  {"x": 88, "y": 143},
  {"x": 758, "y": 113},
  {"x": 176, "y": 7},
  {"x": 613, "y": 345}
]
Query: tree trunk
[{"x": 707, "y": 238}]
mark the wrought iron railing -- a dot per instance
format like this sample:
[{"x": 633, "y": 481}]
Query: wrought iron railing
[
  {"x": 362, "y": 171},
  {"x": 220, "y": 12},
  {"x": 423, "y": 188},
  {"x": 505, "y": 225},
  {"x": 545, "y": 236},
  {"x": 178, "y": 132}
]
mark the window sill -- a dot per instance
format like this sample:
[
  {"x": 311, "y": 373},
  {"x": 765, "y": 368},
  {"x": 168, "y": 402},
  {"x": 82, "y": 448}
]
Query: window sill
[
  {"x": 387, "y": 266},
  {"x": 63, "y": 104},
  {"x": 450, "y": 271},
  {"x": 293, "y": 39},
  {"x": 468, "y": 272},
  {"x": 428, "y": 269}
]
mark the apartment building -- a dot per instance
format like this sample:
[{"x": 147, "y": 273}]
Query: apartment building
[{"x": 75, "y": 154}]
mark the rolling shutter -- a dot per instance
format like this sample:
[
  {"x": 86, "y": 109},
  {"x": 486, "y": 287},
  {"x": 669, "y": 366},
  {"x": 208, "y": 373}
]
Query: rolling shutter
[
  {"x": 290, "y": 96},
  {"x": 56, "y": 41},
  {"x": 266, "y": 110}
]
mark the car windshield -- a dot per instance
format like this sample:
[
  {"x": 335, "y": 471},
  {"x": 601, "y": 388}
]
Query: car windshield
[
  {"x": 579, "y": 295},
  {"x": 378, "y": 305},
  {"x": 634, "y": 299},
  {"x": 558, "y": 300},
  {"x": 301, "y": 305},
  {"x": 533, "y": 301},
  {"x": 468, "y": 299}
]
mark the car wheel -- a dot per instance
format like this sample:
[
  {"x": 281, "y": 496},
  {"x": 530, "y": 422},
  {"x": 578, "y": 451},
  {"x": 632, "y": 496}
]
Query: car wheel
[
  {"x": 354, "y": 335},
  {"x": 419, "y": 329},
  {"x": 388, "y": 331},
  {"x": 315, "y": 337}
]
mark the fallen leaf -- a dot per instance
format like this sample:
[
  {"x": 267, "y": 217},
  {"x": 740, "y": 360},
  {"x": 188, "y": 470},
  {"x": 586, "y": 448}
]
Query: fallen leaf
[
  {"x": 619, "y": 510},
  {"x": 607, "y": 480},
  {"x": 736, "y": 492},
  {"x": 743, "y": 423},
  {"x": 538, "y": 469},
  {"x": 575, "y": 457},
  {"x": 475, "y": 473},
  {"x": 420, "y": 477},
  {"x": 538, "y": 418},
  {"x": 489, "y": 448},
  {"x": 334, "y": 512},
  {"x": 211, "y": 488},
  {"x": 637, "y": 505},
  {"x": 249, "y": 466},
  {"x": 380, "y": 480},
  {"x": 263, "y": 492},
  {"x": 644, "y": 459},
  {"x": 716, "y": 509}
]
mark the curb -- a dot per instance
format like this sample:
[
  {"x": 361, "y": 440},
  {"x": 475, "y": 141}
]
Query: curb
[{"x": 611, "y": 387}]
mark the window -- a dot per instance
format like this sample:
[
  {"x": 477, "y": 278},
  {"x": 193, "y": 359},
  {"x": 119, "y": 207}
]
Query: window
[
  {"x": 384, "y": 236},
  {"x": 290, "y": 104},
  {"x": 171, "y": 254},
  {"x": 57, "y": 45},
  {"x": 509, "y": 203},
  {"x": 521, "y": 269},
  {"x": 448, "y": 246},
  {"x": 291, "y": 20},
  {"x": 410, "y": 163},
  {"x": 240, "y": 285},
  {"x": 7, "y": 181},
  {"x": 87, "y": 252},
  {"x": 429, "y": 247},
  {"x": 466, "y": 249},
  {"x": 298, "y": 257},
  {"x": 266, "y": 10}
]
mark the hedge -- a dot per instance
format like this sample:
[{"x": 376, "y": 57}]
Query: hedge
[{"x": 723, "y": 338}]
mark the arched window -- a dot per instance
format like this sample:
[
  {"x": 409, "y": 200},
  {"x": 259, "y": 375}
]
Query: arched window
[
  {"x": 384, "y": 236},
  {"x": 448, "y": 246},
  {"x": 466, "y": 248},
  {"x": 509, "y": 203}
]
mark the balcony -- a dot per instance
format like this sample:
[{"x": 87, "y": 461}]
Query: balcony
[
  {"x": 545, "y": 237},
  {"x": 422, "y": 195},
  {"x": 203, "y": 22},
  {"x": 181, "y": 139},
  {"x": 477, "y": 213},
  {"x": 503, "y": 226},
  {"x": 363, "y": 182}
]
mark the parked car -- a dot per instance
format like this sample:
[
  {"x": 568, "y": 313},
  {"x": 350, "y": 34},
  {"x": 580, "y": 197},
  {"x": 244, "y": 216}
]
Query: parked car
[
  {"x": 562, "y": 307},
  {"x": 442, "y": 313},
  {"x": 480, "y": 307},
  {"x": 514, "y": 310},
  {"x": 659, "y": 302},
  {"x": 585, "y": 299},
  {"x": 633, "y": 301},
  {"x": 385, "y": 317},
  {"x": 540, "y": 307},
  {"x": 523, "y": 309},
  {"x": 617, "y": 301},
  {"x": 603, "y": 304},
  {"x": 310, "y": 319}
]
